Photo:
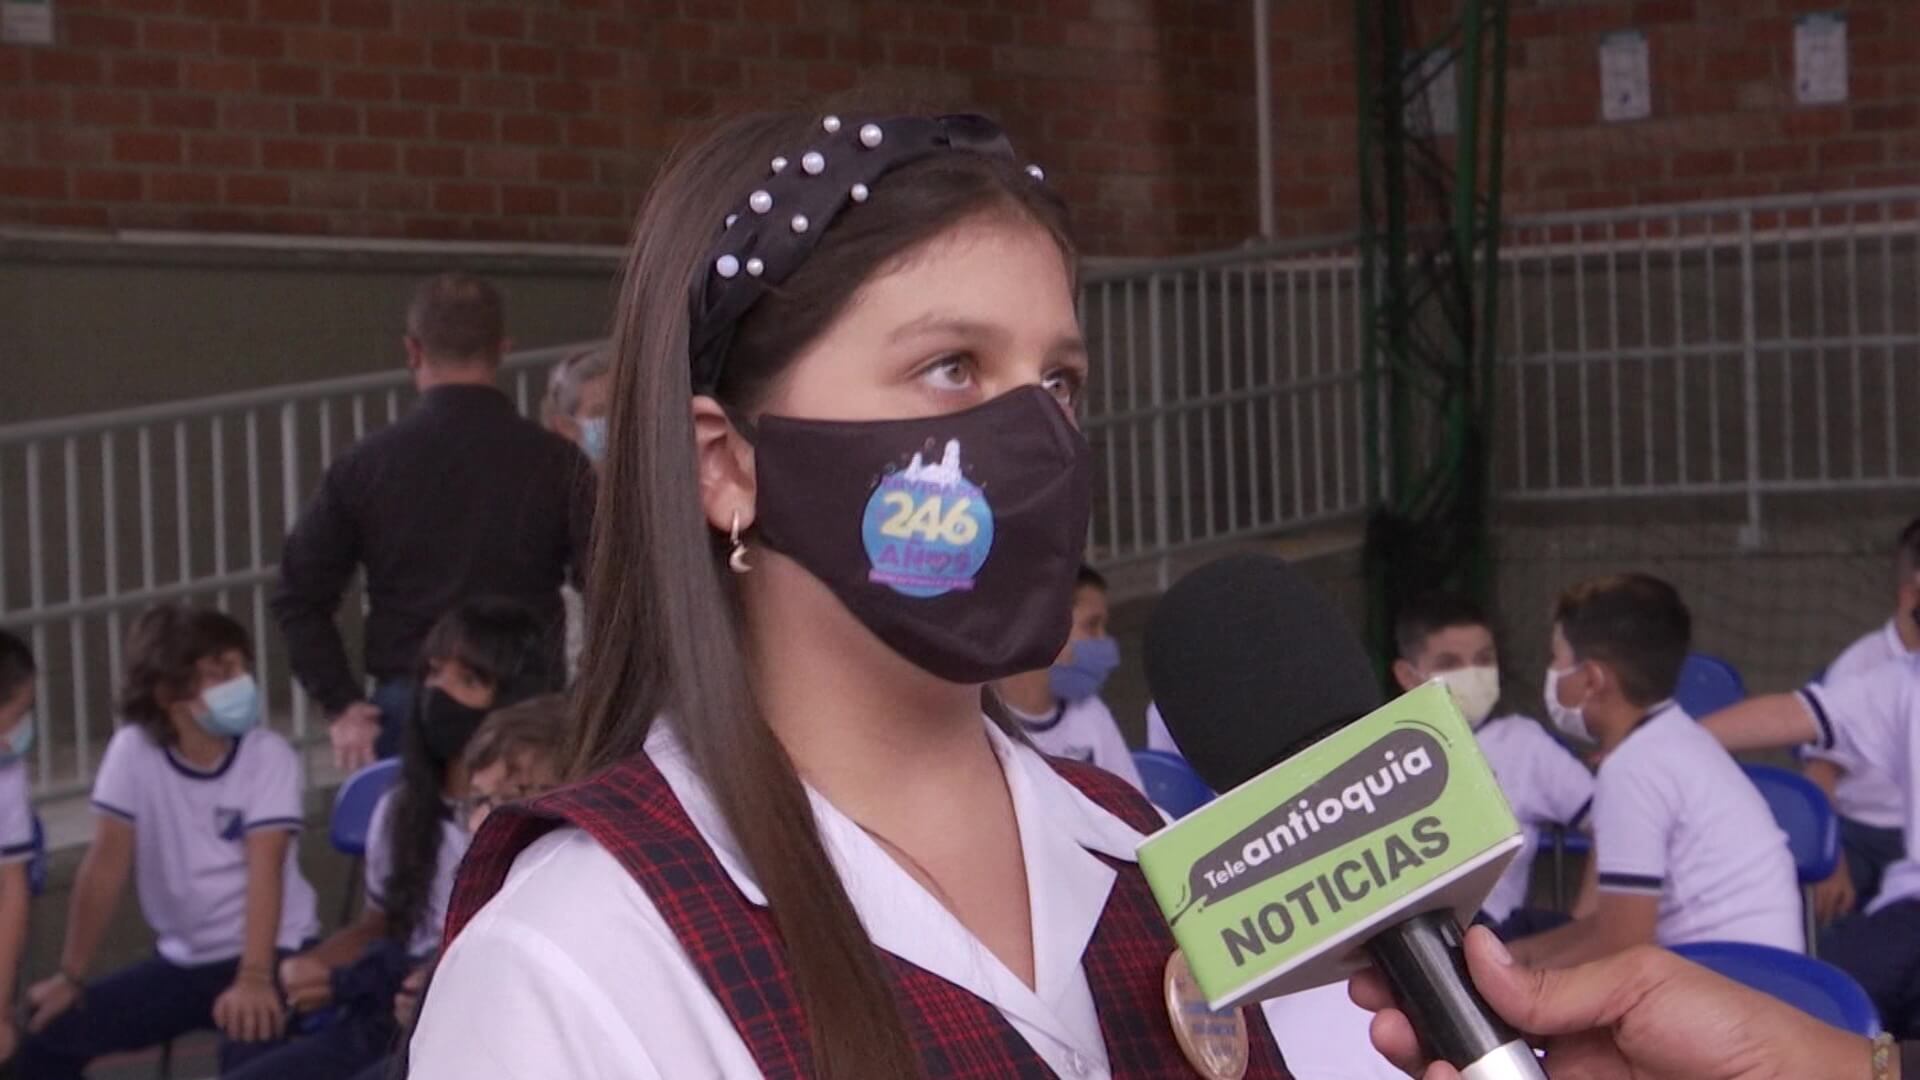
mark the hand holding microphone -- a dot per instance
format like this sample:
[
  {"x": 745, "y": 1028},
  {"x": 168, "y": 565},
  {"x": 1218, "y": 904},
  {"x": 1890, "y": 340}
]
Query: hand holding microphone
[
  {"x": 1643, "y": 1014},
  {"x": 1347, "y": 833}
]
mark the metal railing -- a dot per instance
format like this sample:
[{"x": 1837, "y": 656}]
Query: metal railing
[
  {"x": 1227, "y": 402},
  {"x": 104, "y": 515},
  {"x": 1727, "y": 349},
  {"x": 1740, "y": 349}
]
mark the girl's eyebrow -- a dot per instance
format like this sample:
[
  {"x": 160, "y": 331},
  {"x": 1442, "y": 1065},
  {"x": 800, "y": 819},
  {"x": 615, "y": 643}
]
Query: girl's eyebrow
[{"x": 1064, "y": 348}]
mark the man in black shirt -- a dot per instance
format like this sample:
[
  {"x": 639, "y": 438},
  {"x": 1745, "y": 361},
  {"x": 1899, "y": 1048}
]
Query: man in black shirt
[{"x": 460, "y": 498}]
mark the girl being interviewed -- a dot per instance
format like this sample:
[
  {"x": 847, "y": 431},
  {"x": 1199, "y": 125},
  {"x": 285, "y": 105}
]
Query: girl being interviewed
[{"x": 844, "y": 491}]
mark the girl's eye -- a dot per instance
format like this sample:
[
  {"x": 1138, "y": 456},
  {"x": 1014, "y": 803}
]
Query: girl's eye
[
  {"x": 950, "y": 372},
  {"x": 1064, "y": 385}
]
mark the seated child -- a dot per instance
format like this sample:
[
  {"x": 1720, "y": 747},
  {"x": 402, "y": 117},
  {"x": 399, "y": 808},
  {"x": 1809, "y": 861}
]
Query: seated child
[
  {"x": 17, "y": 672},
  {"x": 1870, "y": 716},
  {"x": 1867, "y": 794},
  {"x": 480, "y": 656},
  {"x": 1684, "y": 847},
  {"x": 515, "y": 755},
  {"x": 1445, "y": 636},
  {"x": 200, "y": 803},
  {"x": 1060, "y": 708}
]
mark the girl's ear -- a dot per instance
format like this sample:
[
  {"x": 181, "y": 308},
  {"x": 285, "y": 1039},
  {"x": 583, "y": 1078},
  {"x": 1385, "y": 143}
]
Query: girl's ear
[{"x": 725, "y": 463}]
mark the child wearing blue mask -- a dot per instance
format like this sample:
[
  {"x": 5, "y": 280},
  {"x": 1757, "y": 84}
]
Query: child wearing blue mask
[
  {"x": 579, "y": 393},
  {"x": 17, "y": 677},
  {"x": 200, "y": 804},
  {"x": 1060, "y": 708}
]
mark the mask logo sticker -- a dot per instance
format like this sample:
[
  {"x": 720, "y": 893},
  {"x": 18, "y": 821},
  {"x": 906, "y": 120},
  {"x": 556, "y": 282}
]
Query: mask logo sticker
[{"x": 927, "y": 529}]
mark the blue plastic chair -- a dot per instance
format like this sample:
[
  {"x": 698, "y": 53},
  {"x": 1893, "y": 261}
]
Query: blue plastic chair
[
  {"x": 1707, "y": 685},
  {"x": 37, "y": 862},
  {"x": 1813, "y": 986},
  {"x": 1812, "y": 828},
  {"x": 352, "y": 815},
  {"x": 1172, "y": 785}
]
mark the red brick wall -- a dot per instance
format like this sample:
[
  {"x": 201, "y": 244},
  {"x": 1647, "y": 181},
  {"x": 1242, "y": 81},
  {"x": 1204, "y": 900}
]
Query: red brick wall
[
  {"x": 1724, "y": 120},
  {"x": 543, "y": 120}
]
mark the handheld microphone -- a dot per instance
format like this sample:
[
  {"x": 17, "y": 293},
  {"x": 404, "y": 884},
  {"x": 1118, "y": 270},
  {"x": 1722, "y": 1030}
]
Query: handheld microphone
[{"x": 1347, "y": 830}]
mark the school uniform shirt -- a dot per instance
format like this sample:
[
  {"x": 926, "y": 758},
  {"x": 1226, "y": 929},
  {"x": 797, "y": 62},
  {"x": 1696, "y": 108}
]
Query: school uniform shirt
[
  {"x": 1866, "y": 791},
  {"x": 380, "y": 860},
  {"x": 1325, "y": 1036},
  {"x": 190, "y": 828},
  {"x": 1546, "y": 786},
  {"x": 1158, "y": 737},
  {"x": 1082, "y": 731},
  {"x": 570, "y": 970},
  {"x": 16, "y": 814},
  {"x": 1870, "y": 717},
  {"x": 1675, "y": 818}
]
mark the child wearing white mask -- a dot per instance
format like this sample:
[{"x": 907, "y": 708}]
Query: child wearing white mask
[
  {"x": 1446, "y": 636},
  {"x": 200, "y": 804},
  {"x": 1684, "y": 846}
]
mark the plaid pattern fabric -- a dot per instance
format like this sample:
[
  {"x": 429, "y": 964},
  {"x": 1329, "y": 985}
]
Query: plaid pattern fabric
[
  {"x": 1126, "y": 960},
  {"x": 630, "y": 810}
]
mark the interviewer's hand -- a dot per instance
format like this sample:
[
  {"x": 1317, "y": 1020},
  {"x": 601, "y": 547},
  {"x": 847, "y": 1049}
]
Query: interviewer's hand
[{"x": 1644, "y": 1014}]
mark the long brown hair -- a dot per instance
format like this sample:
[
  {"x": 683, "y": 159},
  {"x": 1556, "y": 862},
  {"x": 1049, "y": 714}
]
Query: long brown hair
[{"x": 665, "y": 631}]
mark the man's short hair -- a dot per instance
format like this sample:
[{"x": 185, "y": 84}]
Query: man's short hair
[
  {"x": 1634, "y": 623},
  {"x": 1430, "y": 613},
  {"x": 457, "y": 317},
  {"x": 1090, "y": 578}
]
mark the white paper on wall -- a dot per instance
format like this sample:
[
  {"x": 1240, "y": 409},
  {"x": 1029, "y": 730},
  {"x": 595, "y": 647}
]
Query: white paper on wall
[
  {"x": 26, "y": 22},
  {"x": 1820, "y": 58},
  {"x": 1626, "y": 82},
  {"x": 1434, "y": 106}
]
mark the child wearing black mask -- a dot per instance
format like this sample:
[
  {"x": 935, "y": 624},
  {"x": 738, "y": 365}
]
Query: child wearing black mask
[{"x": 481, "y": 656}]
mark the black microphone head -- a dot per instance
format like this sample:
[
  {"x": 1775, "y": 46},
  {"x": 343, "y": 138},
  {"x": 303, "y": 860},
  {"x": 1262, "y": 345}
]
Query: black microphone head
[{"x": 1249, "y": 663}]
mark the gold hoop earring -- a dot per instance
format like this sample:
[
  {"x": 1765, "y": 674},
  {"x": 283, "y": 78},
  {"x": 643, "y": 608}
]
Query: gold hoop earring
[{"x": 737, "y": 561}]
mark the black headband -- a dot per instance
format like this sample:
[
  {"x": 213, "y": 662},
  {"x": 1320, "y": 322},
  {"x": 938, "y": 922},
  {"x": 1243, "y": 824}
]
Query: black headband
[{"x": 768, "y": 238}]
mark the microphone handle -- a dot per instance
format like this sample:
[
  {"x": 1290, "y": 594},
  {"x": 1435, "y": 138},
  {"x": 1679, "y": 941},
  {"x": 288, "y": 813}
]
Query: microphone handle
[{"x": 1425, "y": 963}]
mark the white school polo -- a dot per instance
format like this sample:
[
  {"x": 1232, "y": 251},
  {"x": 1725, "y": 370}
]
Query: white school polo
[
  {"x": 1082, "y": 731},
  {"x": 1325, "y": 1036},
  {"x": 1866, "y": 791},
  {"x": 571, "y": 970},
  {"x": 1158, "y": 737},
  {"x": 1674, "y": 817},
  {"x": 1870, "y": 717},
  {"x": 453, "y": 846},
  {"x": 1546, "y": 786},
  {"x": 190, "y": 828},
  {"x": 16, "y": 814}
]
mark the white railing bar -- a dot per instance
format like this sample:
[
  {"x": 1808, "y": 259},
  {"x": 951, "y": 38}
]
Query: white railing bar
[{"x": 42, "y": 614}]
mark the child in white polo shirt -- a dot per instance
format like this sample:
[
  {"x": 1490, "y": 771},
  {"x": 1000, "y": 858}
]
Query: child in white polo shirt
[
  {"x": 1446, "y": 636},
  {"x": 1869, "y": 716},
  {"x": 482, "y": 655},
  {"x": 1060, "y": 708},
  {"x": 1865, "y": 793},
  {"x": 17, "y": 674},
  {"x": 1684, "y": 847},
  {"x": 201, "y": 805}
]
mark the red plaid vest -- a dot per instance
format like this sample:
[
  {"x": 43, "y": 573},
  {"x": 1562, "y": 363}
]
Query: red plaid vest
[{"x": 630, "y": 811}]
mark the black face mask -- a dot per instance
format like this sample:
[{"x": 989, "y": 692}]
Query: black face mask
[
  {"x": 446, "y": 725},
  {"x": 956, "y": 539}
]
